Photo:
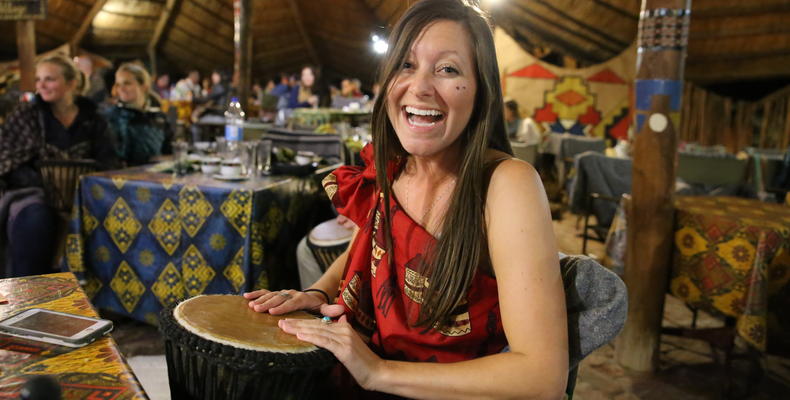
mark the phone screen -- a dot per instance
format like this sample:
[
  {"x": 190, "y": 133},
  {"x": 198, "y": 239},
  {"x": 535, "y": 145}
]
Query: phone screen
[{"x": 54, "y": 324}]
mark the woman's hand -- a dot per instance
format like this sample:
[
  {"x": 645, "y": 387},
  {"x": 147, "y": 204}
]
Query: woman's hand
[
  {"x": 342, "y": 340},
  {"x": 283, "y": 301}
]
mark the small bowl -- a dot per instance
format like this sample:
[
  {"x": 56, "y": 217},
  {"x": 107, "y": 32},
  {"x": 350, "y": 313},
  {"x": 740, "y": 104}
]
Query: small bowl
[
  {"x": 230, "y": 168},
  {"x": 210, "y": 165},
  {"x": 304, "y": 157}
]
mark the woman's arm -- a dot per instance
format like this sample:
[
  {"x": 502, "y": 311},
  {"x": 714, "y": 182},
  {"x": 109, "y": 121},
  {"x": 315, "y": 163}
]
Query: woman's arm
[
  {"x": 524, "y": 256},
  {"x": 267, "y": 301}
]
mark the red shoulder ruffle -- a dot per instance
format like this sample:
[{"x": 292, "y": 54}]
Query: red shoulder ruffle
[{"x": 352, "y": 189}]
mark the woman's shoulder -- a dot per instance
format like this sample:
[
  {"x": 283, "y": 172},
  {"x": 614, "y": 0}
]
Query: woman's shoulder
[{"x": 509, "y": 173}]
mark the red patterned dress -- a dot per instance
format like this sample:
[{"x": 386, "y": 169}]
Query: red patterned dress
[{"x": 383, "y": 301}]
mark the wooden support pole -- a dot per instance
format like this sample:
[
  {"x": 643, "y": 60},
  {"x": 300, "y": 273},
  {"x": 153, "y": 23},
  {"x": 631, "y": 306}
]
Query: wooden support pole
[
  {"x": 74, "y": 43},
  {"x": 663, "y": 36},
  {"x": 242, "y": 41},
  {"x": 164, "y": 21},
  {"x": 26, "y": 45}
]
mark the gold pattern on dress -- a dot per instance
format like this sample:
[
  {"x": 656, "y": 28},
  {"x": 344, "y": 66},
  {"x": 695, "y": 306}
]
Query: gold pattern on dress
[
  {"x": 74, "y": 253},
  {"x": 195, "y": 271},
  {"x": 330, "y": 185},
  {"x": 121, "y": 224},
  {"x": 237, "y": 208},
  {"x": 193, "y": 208},
  {"x": 118, "y": 181},
  {"x": 377, "y": 253},
  {"x": 169, "y": 287},
  {"x": 233, "y": 272},
  {"x": 89, "y": 222},
  {"x": 256, "y": 243},
  {"x": 166, "y": 227},
  {"x": 127, "y": 286},
  {"x": 351, "y": 293},
  {"x": 457, "y": 325},
  {"x": 414, "y": 284}
]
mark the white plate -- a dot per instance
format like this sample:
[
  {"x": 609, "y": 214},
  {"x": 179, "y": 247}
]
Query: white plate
[{"x": 231, "y": 177}]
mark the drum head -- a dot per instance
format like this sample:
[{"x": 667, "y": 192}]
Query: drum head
[
  {"x": 229, "y": 320},
  {"x": 329, "y": 233}
]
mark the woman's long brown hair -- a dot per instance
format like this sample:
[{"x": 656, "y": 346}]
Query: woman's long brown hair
[{"x": 454, "y": 260}]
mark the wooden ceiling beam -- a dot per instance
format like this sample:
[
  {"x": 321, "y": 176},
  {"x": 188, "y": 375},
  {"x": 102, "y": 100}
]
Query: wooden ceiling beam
[
  {"x": 76, "y": 39},
  {"x": 732, "y": 70},
  {"x": 308, "y": 43},
  {"x": 584, "y": 25},
  {"x": 538, "y": 19},
  {"x": 622, "y": 12},
  {"x": 165, "y": 20}
]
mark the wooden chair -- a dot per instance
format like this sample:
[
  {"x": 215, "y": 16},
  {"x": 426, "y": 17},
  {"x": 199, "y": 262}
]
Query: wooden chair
[{"x": 60, "y": 178}]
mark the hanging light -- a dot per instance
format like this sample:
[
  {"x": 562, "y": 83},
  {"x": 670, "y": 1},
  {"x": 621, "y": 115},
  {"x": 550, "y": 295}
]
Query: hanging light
[{"x": 379, "y": 44}]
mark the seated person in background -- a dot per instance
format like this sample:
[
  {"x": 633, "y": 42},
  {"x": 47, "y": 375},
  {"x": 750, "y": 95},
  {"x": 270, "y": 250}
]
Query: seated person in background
[
  {"x": 141, "y": 129},
  {"x": 451, "y": 287},
  {"x": 162, "y": 86},
  {"x": 187, "y": 88},
  {"x": 349, "y": 93},
  {"x": 304, "y": 94},
  {"x": 215, "y": 100},
  {"x": 57, "y": 124},
  {"x": 518, "y": 129}
]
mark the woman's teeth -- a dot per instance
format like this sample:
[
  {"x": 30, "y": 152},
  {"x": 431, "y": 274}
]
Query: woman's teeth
[{"x": 421, "y": 117}]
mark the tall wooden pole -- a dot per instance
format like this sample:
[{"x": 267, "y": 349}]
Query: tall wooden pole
[
  {"x": 663, "y": 36},
  {"x": 26, "y": 45},
  {"x": 242, "y": 13}
]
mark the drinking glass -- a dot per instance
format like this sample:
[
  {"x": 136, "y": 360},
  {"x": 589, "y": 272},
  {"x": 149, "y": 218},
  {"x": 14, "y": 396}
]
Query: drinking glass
[
  {"x": 247, "y": 157},
  {"x": 264, "y": 157},
  {"x": 180, "y": 148}
]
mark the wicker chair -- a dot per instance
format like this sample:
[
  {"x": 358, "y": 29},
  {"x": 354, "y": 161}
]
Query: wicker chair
[{"x": 60, "y": 178}]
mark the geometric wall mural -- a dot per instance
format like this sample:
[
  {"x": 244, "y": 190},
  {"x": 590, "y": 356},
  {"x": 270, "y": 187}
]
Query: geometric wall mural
[{"x": 593, "y": 101}]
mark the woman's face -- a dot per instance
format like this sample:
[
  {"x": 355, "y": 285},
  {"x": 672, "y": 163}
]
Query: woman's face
[
  {"x": 50, "y": 83},
  {"x": 509, "y": 116},
  {"x": 129, "y": 90},
  {"x": 308, "y": 78},
  {"x": 430, "y": 100}
]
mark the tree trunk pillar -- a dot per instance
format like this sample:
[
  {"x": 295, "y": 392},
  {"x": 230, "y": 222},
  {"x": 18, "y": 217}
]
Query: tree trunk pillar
[
  {"x": 26, "y": 45},
  {"x": 663, "y": 36}
]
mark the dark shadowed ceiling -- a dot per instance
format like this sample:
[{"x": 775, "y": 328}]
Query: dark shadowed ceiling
[{"x": 730, "y": 40}]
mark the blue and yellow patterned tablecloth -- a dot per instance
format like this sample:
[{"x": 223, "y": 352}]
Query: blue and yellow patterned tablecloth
[{"x": 139, "y": 240}]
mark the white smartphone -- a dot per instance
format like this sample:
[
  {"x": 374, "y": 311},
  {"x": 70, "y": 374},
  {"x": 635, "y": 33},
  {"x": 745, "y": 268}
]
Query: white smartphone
[{"x": 55, "y": 327}]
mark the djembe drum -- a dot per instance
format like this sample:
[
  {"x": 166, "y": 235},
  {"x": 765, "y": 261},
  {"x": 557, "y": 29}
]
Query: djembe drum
[
  {"x": 218, "y": 348},
  {"x": 327, "y": 241}
]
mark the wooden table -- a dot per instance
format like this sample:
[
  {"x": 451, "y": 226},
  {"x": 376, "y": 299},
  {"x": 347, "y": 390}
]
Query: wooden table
[
  {"x": 96, "y": 371},
  {"x": 732, "y": 258}
]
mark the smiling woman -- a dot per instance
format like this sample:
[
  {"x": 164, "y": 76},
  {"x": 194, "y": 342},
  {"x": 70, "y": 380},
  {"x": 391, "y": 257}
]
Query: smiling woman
[
  {"x": 454, "y": 259},
  {"x": 57, "y": 124}
]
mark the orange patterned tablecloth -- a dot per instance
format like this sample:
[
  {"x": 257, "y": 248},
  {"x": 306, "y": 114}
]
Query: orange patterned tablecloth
[
  {"x": 732, "y": 257},
  {"x": 96, "y": 371}
]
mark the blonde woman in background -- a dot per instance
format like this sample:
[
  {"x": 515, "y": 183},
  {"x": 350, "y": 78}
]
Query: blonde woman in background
[
  {"x": 57, "y": 124},
  {"x": 141, "y": 129}
]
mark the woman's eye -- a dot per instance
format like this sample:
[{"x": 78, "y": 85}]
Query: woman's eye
[
  {"x": 407, "y": 65},
  {"x": 448, "y": 70}
]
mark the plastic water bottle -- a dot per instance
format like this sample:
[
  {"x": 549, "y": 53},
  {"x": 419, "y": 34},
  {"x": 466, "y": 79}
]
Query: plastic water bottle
[{"x": 234, "y": 119}]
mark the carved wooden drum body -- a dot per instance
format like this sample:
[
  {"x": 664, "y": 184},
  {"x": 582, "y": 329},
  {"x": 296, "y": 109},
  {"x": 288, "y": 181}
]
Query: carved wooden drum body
[{"x": 218, "y": 348}]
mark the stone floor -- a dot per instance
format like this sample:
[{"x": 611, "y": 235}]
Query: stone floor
[{"x": 689, "y": 369}]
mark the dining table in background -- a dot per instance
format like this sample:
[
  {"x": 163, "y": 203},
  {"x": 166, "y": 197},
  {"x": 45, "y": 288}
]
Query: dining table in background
[
  {"x": 95, "y": 371},
  {"x": 140, "y": 241},
  {"x": 732, "y": 258}
]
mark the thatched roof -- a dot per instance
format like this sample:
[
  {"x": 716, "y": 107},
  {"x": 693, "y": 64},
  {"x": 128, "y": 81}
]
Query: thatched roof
[{"x": 729, "y": 39}]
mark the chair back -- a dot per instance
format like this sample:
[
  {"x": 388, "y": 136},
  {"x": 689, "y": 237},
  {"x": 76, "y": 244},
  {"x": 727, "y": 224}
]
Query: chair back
[
  {"x": 596, "y": 300},
  {"x": 525, "y": 152},
  {"x": 328, "y": 146},
  {"x": 711, "y": 169},
  {"x": 60, "y": 179}
]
